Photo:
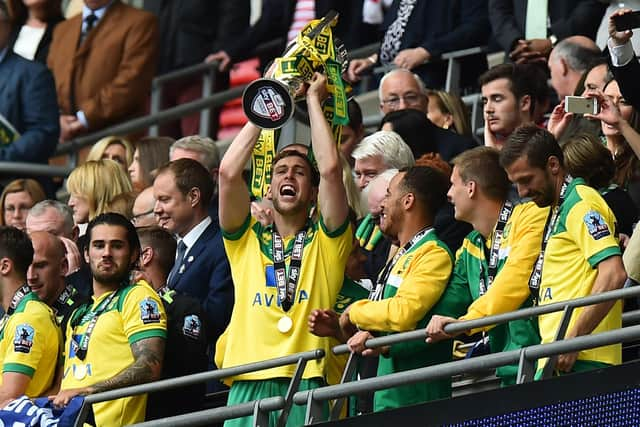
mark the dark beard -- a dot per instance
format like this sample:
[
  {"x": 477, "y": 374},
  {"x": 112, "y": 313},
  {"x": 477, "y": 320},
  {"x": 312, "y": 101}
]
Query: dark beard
[{"x": 111, "y": 279}]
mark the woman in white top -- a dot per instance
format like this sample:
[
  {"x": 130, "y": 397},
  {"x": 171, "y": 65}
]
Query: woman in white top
[{"x": 33, "y": 23}]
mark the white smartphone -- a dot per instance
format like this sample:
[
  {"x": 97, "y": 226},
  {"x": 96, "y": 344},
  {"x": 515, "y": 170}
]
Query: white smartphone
[{"x": 581, "y": 105}]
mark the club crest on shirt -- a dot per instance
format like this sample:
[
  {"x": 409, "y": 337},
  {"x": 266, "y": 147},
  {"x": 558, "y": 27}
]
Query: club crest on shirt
[
  {"x": 192, "y": 326},
  {"x": 23, "y": 339},
  {"x": 149, "y": 311},
  {"x": 596, "y": 225}
]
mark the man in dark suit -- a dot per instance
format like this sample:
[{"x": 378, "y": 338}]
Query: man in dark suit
[
  {"x": 566, "y": 18},
  {"x": 278, "y": 18},
  {"x": 103, "y": 61},
  {"x": 624, "y": 65},
  {"x": 183, "y": 189},
  {"x": 27, "y": 102}
]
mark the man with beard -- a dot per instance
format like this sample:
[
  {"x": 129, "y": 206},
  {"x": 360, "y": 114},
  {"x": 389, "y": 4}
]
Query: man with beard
[
  {"x": 118, "y": 339},
  {"x": 409, "y": 285},
  {"x": 491, "y": 274},
  {"x": 284, "y": 270},
  {"x": 579, "y": 256}
]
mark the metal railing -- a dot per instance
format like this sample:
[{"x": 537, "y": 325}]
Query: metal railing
[
  {"x": 525, "y": 358},
  {"x": 284, "y": 403}
]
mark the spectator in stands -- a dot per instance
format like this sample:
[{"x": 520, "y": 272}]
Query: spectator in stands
[
  {"x": 103, "y": 61},
  {"x": 189, "y": 31},
  {"x": 122, "y": 204},
  {"x": 27, "y": 103},
  {"x": 204, "y": 151},
  {"x": 378, "y": 152},
  {"x": 56, "y": 218},
  {"x": 128, "y": 327},
  {"x": 352, "y": 133},
  {"x": 53, "y": 217},
  {"x": 283, "y": 20},
  {"x": 423, "y": 136},
  {"x": 448, "y": 111},
  {"x": 581, "y": 255},
  {"x": 625, "y": 67},
  {"x": 183, "y": 190},
  {"x": 491, "y": 278},
  {"x": 408, "y": 287},
  {"x": 568, "y": 62},
  {"x": 323, "y": 244},
  {"x": 30, "y": 340},
  {"x": 528, "y": 35},
  {"x": 33, "y": 24},
  {"x": 143, "y": 215},
  {"x": 621, "y": 126},
  {"x": 508, "y": 97},
  {"x": 151, "y": 152},
  {"x": 46, "y": 277},
  {"x": 186, "y": 350},
  {"x": 113, "y": 148},
  {"x": 585, "y": 157},
  {"x": 418, "y": 33},
  {"x": 92, "y": 186},
  {"x": 401, "y": 90},
  {"x": 16, "y": 199}
]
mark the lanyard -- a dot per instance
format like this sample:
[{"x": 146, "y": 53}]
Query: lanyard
[
  {"x": 15, "y": 301},
  {"x": 378, "y": 291},
  {"x": 498, "y": 232},
  {"x": 64, "y": 300},
  {"x": 287, "y": 284},
  {"x": 80, "y": 350},
  {"x": 550, "y": 225}
]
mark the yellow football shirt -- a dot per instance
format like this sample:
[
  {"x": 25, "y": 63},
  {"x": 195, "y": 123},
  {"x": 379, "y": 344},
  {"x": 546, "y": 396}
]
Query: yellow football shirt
[
  {"x": 583, "y": 237},
  {"x": 136, "y": 313},
  {"x": 30, "y": 344},
  {"x": 253, "y": 334}
]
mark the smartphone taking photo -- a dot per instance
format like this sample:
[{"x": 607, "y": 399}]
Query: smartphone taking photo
[
  {"x": 581, "y": 105},
  {"x": 628, "y": 21}
]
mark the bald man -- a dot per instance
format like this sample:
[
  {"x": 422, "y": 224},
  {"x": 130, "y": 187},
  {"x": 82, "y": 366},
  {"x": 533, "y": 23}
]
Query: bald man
[
  {"x": 143, "y": 215},
  {"x": 568, "y": 62},
  {"x": 46, "y": 276}
]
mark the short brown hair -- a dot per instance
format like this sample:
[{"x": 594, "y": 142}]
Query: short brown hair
[
  {"x": 587, "y": 158},
  {"x": 533, "y": 142},
  {"x": 315, "y": 175},
  {"x": 482, "y": 165},
  {"x": 190, "y": 174},
  {"x": 163, "y": 244},
  {"x": 429, "y": 185},
  {"x": 30, "y": 186}
]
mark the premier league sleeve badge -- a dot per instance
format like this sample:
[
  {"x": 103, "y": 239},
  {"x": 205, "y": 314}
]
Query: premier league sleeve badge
[{"x": 23, "y": 339}]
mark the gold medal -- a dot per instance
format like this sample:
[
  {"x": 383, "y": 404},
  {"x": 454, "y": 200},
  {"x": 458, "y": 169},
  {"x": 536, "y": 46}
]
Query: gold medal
[
  {"x": 79, "y": 371},
  {"x": 285, "y": 324}
]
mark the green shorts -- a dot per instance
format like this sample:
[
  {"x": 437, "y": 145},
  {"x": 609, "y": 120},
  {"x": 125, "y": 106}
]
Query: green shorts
[{"x": 246, "y": 391}]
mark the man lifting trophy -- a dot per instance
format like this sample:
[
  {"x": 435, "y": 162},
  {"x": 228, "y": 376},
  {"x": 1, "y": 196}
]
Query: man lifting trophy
[{"x": 270, "y": 102}]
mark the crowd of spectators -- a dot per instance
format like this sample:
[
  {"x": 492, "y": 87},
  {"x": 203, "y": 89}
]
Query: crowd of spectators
[{"x": 161, "y": 264}]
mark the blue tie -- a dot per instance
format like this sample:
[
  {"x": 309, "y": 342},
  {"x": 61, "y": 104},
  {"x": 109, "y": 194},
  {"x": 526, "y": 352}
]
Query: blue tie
[{"x": 173, "y": 275}]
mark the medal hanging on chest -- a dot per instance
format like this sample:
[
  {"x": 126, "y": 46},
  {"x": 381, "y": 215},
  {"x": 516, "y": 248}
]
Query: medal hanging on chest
[
  {"x": 287, "y": 283},
  {"x": 494, "y": 254}
]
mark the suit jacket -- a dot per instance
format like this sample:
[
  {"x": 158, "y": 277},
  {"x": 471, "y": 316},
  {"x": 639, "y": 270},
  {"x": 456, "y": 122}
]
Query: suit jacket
[
  {"x": 190, "y": 30},
  {"x": 42, "y": 51},
  {"x": 276, "y": 19},
  {"x": 443, "y": 26},
  {"x": 627, "y": 78},
  {"x": 28, "y": 101},
  {"x": 568, "y": 18},
  {"x": 206, "y": 276},
  {"x": 109, "y": 75}
]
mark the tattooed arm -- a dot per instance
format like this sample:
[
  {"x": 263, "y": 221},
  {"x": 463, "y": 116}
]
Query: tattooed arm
[{"x": 148, "y": 355}]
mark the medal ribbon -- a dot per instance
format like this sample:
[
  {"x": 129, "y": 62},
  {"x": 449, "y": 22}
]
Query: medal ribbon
[
  {"x": 287, "y": 284},
  {"x": 15, "y": 301},
  {"x": 550, "y": 225},
  {"x": 64, "y": 299},
  {"x": 505, "y": 214},
  {"x": 80, "y": 350},
  {"x": 381, "y": 283}
]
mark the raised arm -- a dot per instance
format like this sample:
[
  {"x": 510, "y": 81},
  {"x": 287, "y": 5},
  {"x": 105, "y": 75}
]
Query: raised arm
[
  {"x": 332, "y": 198},
  {"x": 233, "y": 192}
]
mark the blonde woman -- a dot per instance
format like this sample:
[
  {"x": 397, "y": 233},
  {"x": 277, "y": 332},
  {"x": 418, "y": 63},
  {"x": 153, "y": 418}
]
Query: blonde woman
[
  {"x": 93, "y": 186},
  {"x": 448, "y": 111},
  {"x": 113, "y": 148},
  {"x": 17, "y": 198}
]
